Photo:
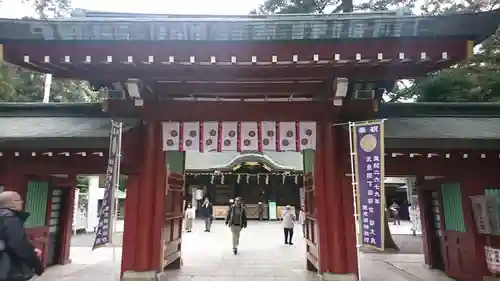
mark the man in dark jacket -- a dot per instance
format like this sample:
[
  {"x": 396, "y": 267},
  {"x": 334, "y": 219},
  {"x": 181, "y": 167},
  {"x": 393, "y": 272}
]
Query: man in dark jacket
[
  {"x": 236, "y": 219},
  {"x": 19, "y": 259},
  {"x": 207, "y": 212}
]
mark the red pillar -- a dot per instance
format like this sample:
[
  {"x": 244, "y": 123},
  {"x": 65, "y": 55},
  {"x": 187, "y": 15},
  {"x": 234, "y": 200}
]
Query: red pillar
[
  {"x": 337, "y": 252},
  {"x": 67, "y": 219},
  {"x": 143, "y": 231},
  {"x": 349, "y": 221}
]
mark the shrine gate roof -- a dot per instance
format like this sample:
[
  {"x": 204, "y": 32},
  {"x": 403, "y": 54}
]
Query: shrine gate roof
[
  {"x": 412, "y": 125},
  {"x": 55, "y": 126},
  {"x": 274, "y": 56},
  {"x": 442, "y": 125},
  {"x": 95, "y": 26}
]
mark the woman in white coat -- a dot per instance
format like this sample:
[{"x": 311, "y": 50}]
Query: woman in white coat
[
  {"x": 288, "y": 224},
  {"x": 189, "y": 216},
  {"x": 302, "y": 220}
]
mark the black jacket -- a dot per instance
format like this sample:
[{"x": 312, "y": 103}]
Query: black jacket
[
  {"x": 229, "y": 217},
  {"x": 206, "y": 211},
  {"x": 18, "y": 261}
]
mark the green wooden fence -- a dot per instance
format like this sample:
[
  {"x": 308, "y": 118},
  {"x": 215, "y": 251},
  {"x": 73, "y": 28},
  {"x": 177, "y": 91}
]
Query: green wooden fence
[{"x": 36, "y": 203}]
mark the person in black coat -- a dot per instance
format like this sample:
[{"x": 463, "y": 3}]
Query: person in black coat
[
  {"x": 207, "y": 213},
  {"x": 236, "y": 219},
  {"x": 19, "y": 259}
]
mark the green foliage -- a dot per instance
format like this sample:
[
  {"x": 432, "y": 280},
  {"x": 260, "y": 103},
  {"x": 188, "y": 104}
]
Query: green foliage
[
  {"x": 476, "y": 80},
  {"x": 21, "y": 85},
  {"x": 82, "y": 183}
]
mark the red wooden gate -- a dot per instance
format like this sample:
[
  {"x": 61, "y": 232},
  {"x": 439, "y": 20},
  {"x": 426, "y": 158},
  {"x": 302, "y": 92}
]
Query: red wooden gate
[
  {"x": 311, "y": 223},
  {"x": 174, "y": 214}
]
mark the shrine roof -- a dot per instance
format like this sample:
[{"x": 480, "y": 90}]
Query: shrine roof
[
  {"x": 209, "y": 161},
  {"x": 442, "y": 125},
  {"x": 38, "y": 125},
  {"x": 96, "y": 26}
]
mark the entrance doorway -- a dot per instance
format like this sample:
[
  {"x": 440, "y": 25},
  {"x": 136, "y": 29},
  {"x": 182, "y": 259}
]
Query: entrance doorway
[{"x": 257, "y": 178}]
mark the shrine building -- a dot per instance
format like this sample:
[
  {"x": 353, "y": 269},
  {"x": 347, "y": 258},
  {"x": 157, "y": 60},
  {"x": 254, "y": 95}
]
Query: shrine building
[
  {"x": 273, "y": 179},
  {"x": 278, "y": 83}
]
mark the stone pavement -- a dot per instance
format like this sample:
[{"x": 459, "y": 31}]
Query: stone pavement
[{"x": 263, "y": 256}]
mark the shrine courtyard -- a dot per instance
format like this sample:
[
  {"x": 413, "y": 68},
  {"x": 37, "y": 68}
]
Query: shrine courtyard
[{"x": 263, "y": 256}]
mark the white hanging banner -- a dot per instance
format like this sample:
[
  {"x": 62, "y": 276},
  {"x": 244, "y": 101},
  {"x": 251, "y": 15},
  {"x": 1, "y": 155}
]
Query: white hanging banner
[
  {"x": 307, "y": 135},
  {"x": 249, "y": 136},
  {"x": 229, "y": 136},
  {"x": 171, "y": 136},
  {"x": 213, "y": 136},
  {"x": 210, "y": 136},
  {"x": 191, "y": 136},
  {"x": 287, "y": 138},
  {"x": 268, "y": 135}
]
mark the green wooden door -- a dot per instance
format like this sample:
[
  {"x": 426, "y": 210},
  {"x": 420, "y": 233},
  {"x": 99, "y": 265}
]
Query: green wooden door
[
  {"x": 36, "y": 203},
  {"x": 452, "y": 207}
]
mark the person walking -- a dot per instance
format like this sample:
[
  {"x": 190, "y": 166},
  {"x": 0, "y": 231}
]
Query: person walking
[
  {"x": 189, "y": 216},
  {"x": 395, "y": 212},
  {"x": 19, "y": 259},
  {"x": 302, "y": 220},
  {"x": 260, "y": 210},
  {"x": 236, "y": 219},
  {"x": 207, "y": 213},
  {"x": 288, "y": 224}
]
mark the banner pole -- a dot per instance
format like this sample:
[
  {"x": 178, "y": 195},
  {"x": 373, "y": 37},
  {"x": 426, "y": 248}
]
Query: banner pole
[
  {"x": 354, "y": 195},
  {"x": 114, "y": 213}
]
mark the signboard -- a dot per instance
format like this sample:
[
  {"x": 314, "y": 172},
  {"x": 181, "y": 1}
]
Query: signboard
[
  {"x": 309, "y": 27},
  {"x": 368, "y": 144},
  {"x": 104, "y": 230},
  {"x": 480, "y": 209},
  {"x": 272, "y": 210}
]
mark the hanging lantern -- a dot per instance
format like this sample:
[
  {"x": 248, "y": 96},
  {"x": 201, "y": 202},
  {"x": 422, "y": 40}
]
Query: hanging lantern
[
  {"x": 296, "y": 179},
  {"x": 222, "y": 179},
  {"x": 267, "y": 179},
  {"x": 212, "y": 178},
  {"x": 283, "y": 178},
  {"x": 238, "y": 179},
  {"x": 248, "y": 178}
]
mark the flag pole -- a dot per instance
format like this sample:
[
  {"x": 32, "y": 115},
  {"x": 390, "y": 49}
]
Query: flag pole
[
  {"x": 354, "y": 195},
  {"x": 114, "y": 205}
]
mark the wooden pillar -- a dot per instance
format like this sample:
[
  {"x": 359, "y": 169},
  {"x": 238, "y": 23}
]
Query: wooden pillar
[
  {"x": 425, "y": 206},
  {"x": 332, "y": 213},
  {"x": 67, "y": 219},
  {"x": 349, "y": 221},
  {"x": 144, "y": 208}
]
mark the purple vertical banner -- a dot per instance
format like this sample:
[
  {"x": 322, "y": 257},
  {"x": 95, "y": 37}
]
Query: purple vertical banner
[
  {"x": 368, "y": 143},
  {"x": 104, "y": 230}
]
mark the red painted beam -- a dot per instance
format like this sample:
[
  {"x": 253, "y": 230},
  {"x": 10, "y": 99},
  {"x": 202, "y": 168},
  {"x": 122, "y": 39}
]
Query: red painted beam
[
  {"x": 405, "y": 166},
  {"x": 354, "y": 70},
  {"x": 59, "y": 165},
  {"x": 223, "y": 51},
  {"x": 203, "y": 89},
  {"x": 224, "y": 111}
]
